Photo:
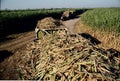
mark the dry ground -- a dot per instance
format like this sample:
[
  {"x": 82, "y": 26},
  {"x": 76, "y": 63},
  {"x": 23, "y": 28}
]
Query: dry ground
[{"x": 19, "y": 41}]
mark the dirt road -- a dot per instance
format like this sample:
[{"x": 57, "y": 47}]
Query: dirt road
[
  {"x": 70, "y": 24},
  {"x": 19, "y": 42}
]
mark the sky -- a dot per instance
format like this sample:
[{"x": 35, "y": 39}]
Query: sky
[{"x": 38, "y": 4}]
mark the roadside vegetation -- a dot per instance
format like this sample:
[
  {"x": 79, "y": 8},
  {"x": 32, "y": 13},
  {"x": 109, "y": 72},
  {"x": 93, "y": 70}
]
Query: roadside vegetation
[
  {"x": 107, "y": 19},
  {"x": 103, "y": 24}
]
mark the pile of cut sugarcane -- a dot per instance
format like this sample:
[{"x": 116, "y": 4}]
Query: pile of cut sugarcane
[
  {"x": 68, "y": 13},
  {"x": 70, "y": 58},
  {"x": 48, "y": 22}
]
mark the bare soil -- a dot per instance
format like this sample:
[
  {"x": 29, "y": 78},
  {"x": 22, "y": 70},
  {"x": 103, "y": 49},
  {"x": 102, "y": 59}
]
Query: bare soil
[{"x": 14, "y": 44}]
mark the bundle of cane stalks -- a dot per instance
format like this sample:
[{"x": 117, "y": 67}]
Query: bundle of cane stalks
[{"x": 48, "y": 22}]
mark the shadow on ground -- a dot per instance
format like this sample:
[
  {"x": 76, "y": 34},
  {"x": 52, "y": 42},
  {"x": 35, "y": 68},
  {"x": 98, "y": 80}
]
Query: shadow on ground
[
  {"x": 3, "y": 39},
  {"x": 113, "y": 52},
  {"x": 4, "y": 54},
  {"x": 92, "y": 39}
]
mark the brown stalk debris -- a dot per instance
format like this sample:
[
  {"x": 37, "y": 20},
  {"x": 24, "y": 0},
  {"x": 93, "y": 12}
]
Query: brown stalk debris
[{"x": 69, "y": 58}]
